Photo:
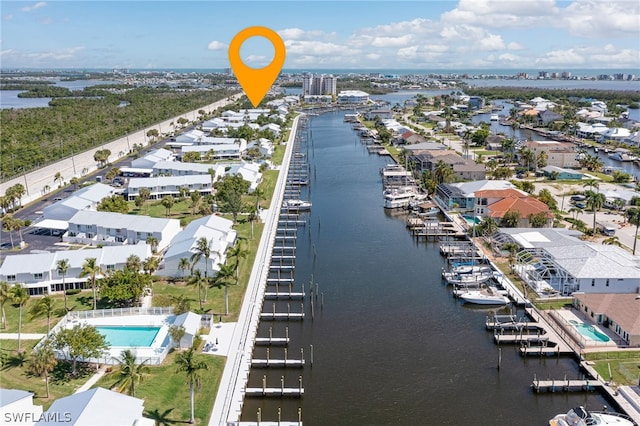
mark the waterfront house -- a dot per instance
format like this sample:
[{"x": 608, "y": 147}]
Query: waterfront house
[
  {"x": 17, "y": 407},
  {"x": 353, "y": 97},
  {"x": 179, "y": 168},
  {"x": 96, "y": 407},
  {"x": 271, "y": 127},
  {"x": 618, "y": 196},
  {"x": 548, "y": 116},
  {"x": 169, "y": 185},
  {"x": 494, "y": 142},
  {"x": 559, "y": 154},
  {"x": 590, "y": 131},
  {"x": 249, "y": 172},
  {"x": 495, "y": 203},
  {"x": 617, "y": 134},
  {"x": 39, "y": 274},
  {"x": 619, "y": 312},
  {"x": 218, "y": 232},
  {"x": 556, "y": 259},
  {"x": 462, "y": 168},
  {"x": 218, "y": 151},
  {"x": 108, "y": 228},
  {"x": 461, "y": 196}
]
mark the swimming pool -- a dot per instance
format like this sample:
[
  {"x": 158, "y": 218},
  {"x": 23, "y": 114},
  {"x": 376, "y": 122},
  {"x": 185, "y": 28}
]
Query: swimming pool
[
  {"x": 472, "y": 220},
  {"x": 589, "y": 331},
  {"x": 128, "y": 335}
]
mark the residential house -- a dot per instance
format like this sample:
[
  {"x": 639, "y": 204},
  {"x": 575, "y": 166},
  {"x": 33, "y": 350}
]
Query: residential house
[
  {"x": 548, "y": 116},
  {"x": 556, "y": 259},
  {"x": 271, "y": 127},
  {"x": 192, "y": 136},
  {"x": 494, "y": 142},
  {"x": 218, "y": 232},
  {"x": 216, "y": 152},
  {"x": 590, "y": 131},
  {"x": 169, "y": 185},
  {"x": 380, "y": 114},
  {"x": 39, "y": 271},
  {"x": 559, "y": 154},
  {"x": 619, "y": 312},
  {"x": 461, "y": 196},
  {"x": 96, "y": 407},
  {"x": 558, "y": 173},
  {"x": 249, "y": 172},
  {"x": 617, "y": 134},
  {"x": 462, "y": 168},
  {"x": 86, "y": 198},
  {"x": 475, "y": 102},
  {"x": 495, "y": 203},
  {"x": 190, "y": 322},
  {"x": 152, "y": 158},
  {"x": 179, "y": 168},
  {"x": 108, "y": 228}
]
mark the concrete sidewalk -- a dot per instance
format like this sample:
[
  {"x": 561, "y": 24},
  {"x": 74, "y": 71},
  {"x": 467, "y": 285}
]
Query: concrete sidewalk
[{"x": 23, "y": 336}]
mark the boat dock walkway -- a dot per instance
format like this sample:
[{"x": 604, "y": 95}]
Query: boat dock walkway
[
  {"x": 566, "y": 385},
  {"x": 275, "y": 392}
]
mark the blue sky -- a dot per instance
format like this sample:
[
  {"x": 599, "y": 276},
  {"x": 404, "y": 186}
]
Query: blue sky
[{"x": 463, "y": 34}]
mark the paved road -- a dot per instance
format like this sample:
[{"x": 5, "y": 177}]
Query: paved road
[{"x": 36, "y": 182}]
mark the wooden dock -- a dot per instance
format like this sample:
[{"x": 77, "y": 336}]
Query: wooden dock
[
  {"x": 509, "y": 322},
  {"x": 284, "y": 316},
  {"x": 274, "y": 392},
  {"x": 284, "y": 295},
  {"x": 565, "y": 385},
  {"x": 272, "y": 341},
  {"x": 519, "y": 338},
  {"x": 265, "y": 363}
]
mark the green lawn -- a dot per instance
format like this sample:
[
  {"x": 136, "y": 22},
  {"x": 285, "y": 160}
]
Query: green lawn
[
  {"x": 15, "y": 375},
  {"x": 78, "y": 302},
  {"x": 166, "y": 393},
  {"x": 625, "y": 365}
]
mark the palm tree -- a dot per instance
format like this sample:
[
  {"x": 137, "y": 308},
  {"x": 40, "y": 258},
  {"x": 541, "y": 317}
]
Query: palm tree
[
  {"x": 189, "y": 364},
  {"x": 595, "y": 201},
  {"x": 238, "y": 253},
  {"x": 222, "y": 279},
  {"x": 5, "y": 296},
  {"x": 202, "y": 250},
  {"x": 19, "y": 296},
  {"x": 43, "y": 307},
  {"x": 443, "y": 172},
  {"x": 151, "y": 264},
  {"x": 198, "y": 280},
  {"x": 633, "y": 216},
  {"x": 58, "y": 178},
  {"x": 489, "y": 226},
  {"x": 43, "y": 360},
  {"x": 92, "y": 269},
  {"x": 130, "y": 373},
  {"x": 62, "y": 267},
  {"x": 512, "y": 248},
  {"x": 591, "y": 183},
  {"x": 612, "y": 241},
  {"x": 153, "y": 242},
  {"x": 8, "y": 225},
  {"x": 168, "y": 201},
  {"x": 144, "y": 194},
  {"x": 133, "y": 263},
  {"x": 183, "y": 265}
]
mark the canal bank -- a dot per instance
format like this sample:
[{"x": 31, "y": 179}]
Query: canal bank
[{"x": 392, "y": 346}]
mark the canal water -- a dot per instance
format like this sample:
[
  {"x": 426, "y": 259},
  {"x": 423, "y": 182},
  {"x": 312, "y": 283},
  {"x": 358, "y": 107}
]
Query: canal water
[{"x": 391, "y": 346}]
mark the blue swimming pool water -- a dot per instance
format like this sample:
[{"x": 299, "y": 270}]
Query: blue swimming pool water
[
  {"x": 128, "y": 335},
  {"x": 471, "y": 220},
  {"x": 589, "y": 331}
]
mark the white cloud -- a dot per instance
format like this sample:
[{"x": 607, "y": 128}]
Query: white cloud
[
  {"x": 514, "y": 46},
  {"x": 300, "y": 34},
  {"x": 571, "y": 57},
  {"x": 34, "y": 7},
  {"x": 316, "y": 48},
  {"x": 490, "y": 42},
  {"x": 501, "y": 13},
  {"x": 7, "y": 17},
  {"x": 216, "y": 45},
  {"x": 391, "y": 41},
  {"x": 593, "y": 19}
]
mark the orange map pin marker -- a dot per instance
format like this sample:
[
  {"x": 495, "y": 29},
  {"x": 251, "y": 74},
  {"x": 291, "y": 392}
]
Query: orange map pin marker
[{"x": 256, "y": 82}]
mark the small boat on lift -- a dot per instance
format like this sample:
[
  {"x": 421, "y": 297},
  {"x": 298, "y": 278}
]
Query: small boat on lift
[
  {"x": 486, "y": 296},
  {"x": 579, "y": 416},
  {"x": 296, "y": 205}
]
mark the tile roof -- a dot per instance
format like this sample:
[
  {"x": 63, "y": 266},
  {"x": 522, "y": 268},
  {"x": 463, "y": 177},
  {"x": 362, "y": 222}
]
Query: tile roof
[{"x": 524, "y": 205}]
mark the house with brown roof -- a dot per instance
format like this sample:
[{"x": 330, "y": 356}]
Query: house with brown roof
[
  {"x": 462, "y": 168},
  {"x": 495, "y": 203},
  {"x": 619, "y": 312}
]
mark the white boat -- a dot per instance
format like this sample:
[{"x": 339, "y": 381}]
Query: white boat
[
  {"x": 580, "y": 417},
  {"x": 485, "y": 296},
  {"x": 472, "y": 269},
  {"x": 621, "y": 156},
  {"x": 465, "y": 279},
  {"x": 296, "y": 205},
  {"x": 403, "y": 196},
  {"x": 494, "y": 117}
]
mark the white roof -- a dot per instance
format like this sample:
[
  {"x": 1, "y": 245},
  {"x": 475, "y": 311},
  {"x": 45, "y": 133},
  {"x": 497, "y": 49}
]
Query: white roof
[
  {"x": 177, "y": 181},
  {"x": 95, "y": 407},
  {"x": 52, "y": 224},
  {"x": 200, "y": 168},
  {"x": 45, "y": 262},
  {"x": 126, "y": 221},
  {"x": 190, "y": 322},
  {"x": 9, "y": 396},
  {"x": 469, "y": 188}
]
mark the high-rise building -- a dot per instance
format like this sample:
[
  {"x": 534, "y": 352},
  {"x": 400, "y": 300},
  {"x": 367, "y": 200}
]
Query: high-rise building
[{"x": 319, "y": 85}]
